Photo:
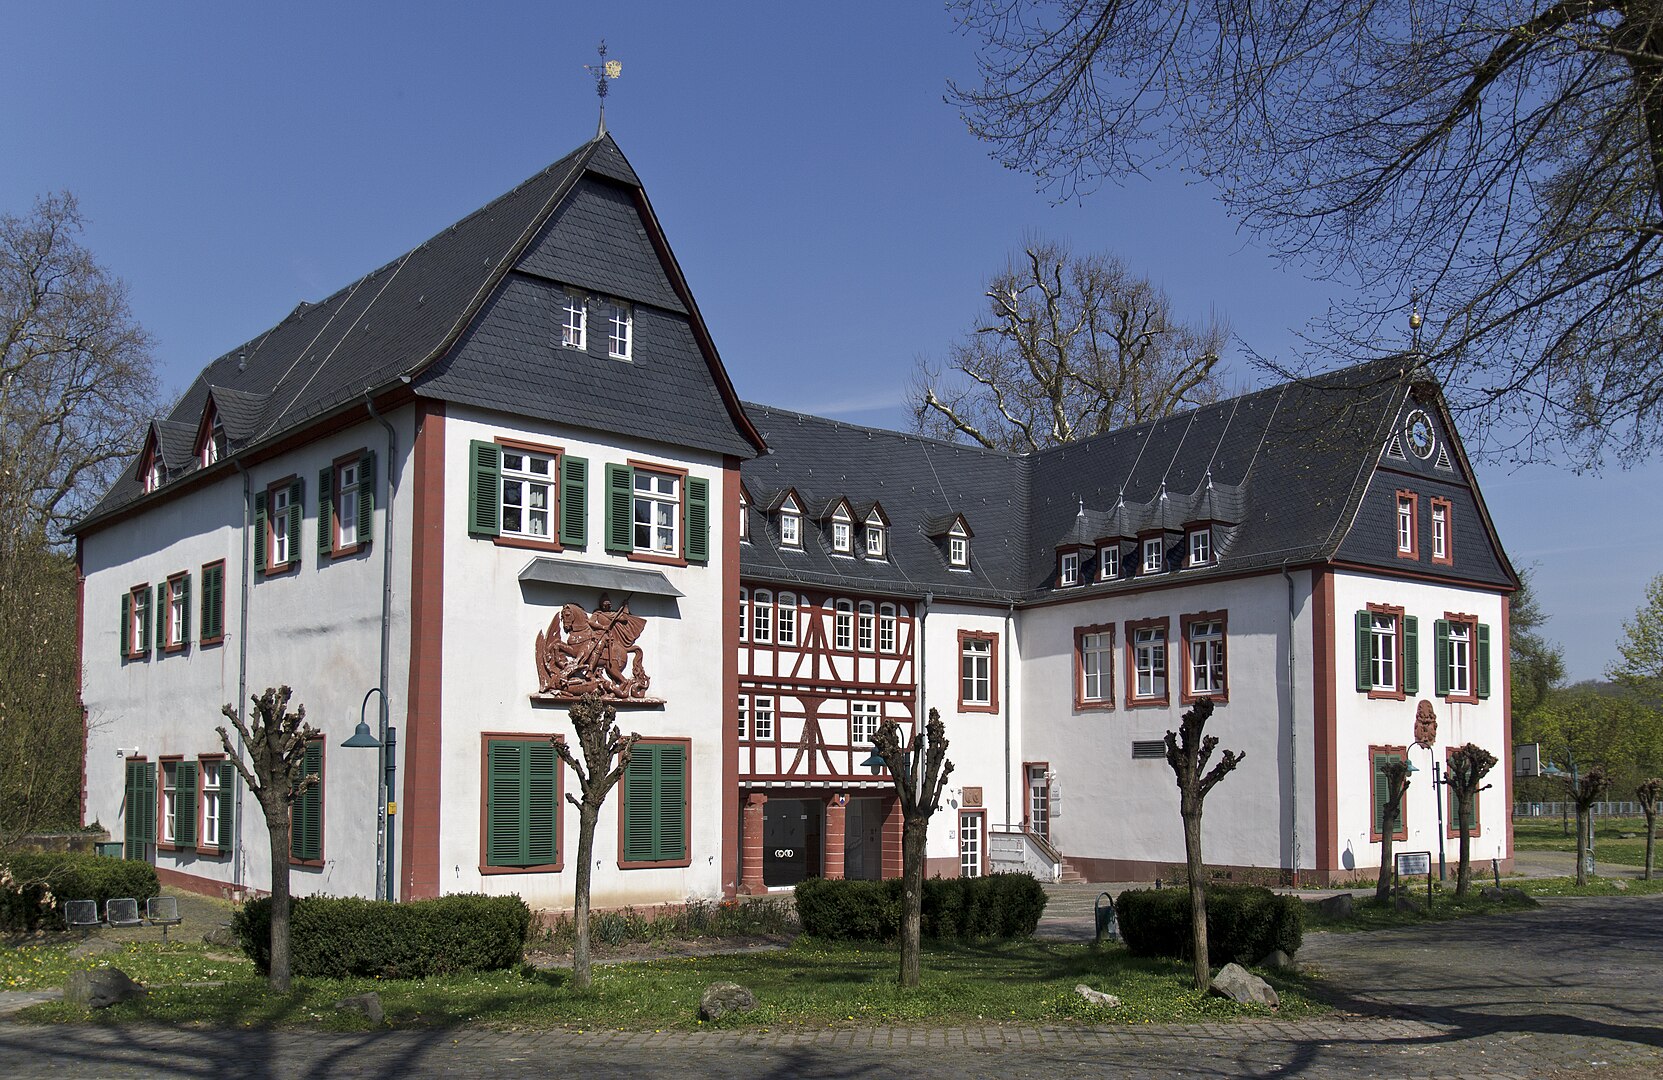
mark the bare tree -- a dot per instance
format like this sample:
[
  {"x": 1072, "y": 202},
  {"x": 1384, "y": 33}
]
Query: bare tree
[
  {"x": 41, "y": 734},
  {"x": 275, "y": 772},
  {"x": 1070, "y": 346},
  {"x": 606, "y": 754},
  {"x": 1648, "y": 793},
  {"x": 1396, "y": 771},
  {"x": 919, "y": 771},
  {"x": 1188, "y": 753},
  {"x": 1505, "y": 157},
  {"x": 1468, "y": 766},
  {"x": 1587, "y": 791}
]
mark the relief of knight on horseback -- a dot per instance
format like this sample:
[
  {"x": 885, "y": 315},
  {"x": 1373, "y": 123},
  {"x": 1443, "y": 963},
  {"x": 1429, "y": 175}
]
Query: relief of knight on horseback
[{"x": 583, "y": 653}]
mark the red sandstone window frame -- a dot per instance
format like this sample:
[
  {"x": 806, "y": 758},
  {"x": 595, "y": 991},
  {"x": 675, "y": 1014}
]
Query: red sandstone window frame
[
  {"x": 686, "y": 816},
  {"x": 1413, "y": 500},
  {"x": 1470, "y": 697},
  {"x": 556, "y": 454},
  {"x": 273, "y": 567},
  {"x": 963, "y": 813},
  {"x": 1186, "y": 691},
  {"x": 991, "y": 705},
  {"x": 1133, "y": 700},
  {"x": 1104, "y": 703},
  {"x": 636, "y": 554},
  {"x": 1398, "y": 693},
  {"x": 1448, "y": 508},
  {"x": 1375, "y": 835},
  {"x": 486, "y": 738},
  {"x": 204, "y": 845}
]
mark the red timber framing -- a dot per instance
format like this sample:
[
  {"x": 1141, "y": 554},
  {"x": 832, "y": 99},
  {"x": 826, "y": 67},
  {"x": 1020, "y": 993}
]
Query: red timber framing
[
  {"x": 422, "y": 728},
  {"x": 818, "y": 691}
]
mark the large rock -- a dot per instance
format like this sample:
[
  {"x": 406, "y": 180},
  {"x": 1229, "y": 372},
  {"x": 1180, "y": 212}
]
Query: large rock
[
  {"x": 369, "y": 1004},
  {"x": 1337, "y": 906},
  {"x": 1243, "y": 987},
  {"x": 1492, "y": 892},
  {"x": 723, "y": 998},
  {"x": 101, "y": 988},
  {"x": 1277, "y": 960},
  {"x": 1097, "y": 997},
  {"x": 221, "y": 936}
]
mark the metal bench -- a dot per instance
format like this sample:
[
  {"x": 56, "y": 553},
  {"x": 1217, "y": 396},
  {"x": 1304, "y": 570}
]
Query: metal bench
[
  {"x": 81, "y": 914},
  {"x": 125, "y": 912},
  {"x": 163, "y": 911}
]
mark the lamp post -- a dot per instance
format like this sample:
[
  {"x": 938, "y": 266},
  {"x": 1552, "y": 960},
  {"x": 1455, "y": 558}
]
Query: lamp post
[
  {"x": 1438, "y": 783},
  {"x": 385, "y": 807}
]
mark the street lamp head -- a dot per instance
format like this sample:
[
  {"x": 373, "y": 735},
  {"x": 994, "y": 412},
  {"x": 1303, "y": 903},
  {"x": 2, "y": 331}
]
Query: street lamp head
[
  {"x": 874, "y": 762},
  {"x": 362, "y": 737}
]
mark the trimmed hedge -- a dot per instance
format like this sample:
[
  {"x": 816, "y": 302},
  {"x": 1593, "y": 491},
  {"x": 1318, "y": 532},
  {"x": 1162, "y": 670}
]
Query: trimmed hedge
[
  {"x": 26, "y": 877},
  {"x": 343, "y": 937},
  {"x": 1244, "y": 922},
  {"x": 954, "y": 909}
]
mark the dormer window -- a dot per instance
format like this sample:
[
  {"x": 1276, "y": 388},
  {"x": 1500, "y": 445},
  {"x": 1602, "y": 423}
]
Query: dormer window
[
  {"x": 1108, "y": 562},
  {"x": 875, "y": 538},
  {"x": 620, "y": 321},
  {"x": 151, "y": 476},
  {"x": 791, "y": 523},
  {"x": 744, "y": 519},
  {"x": 1201, "y": 547},
  {"x": 214, "y": 445},
  {"x": 958, "y": 548},
  {"x": 1068, "y": 570},
  {"x": 574, "y": 331},
  {"x": 842, "y": 532},
  {"x": 1154, "y": 555}
]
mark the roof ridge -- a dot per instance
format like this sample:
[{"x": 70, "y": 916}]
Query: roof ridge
[{"x": 927, "y": 440}]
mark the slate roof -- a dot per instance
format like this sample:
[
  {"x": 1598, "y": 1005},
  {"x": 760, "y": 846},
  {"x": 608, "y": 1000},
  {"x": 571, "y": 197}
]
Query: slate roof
[
  {"x": 401, "y": 318},
  {"x": 1281, "y": 472}
]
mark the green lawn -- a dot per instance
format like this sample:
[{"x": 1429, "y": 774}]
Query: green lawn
[
  {"x": 1367, "y": 915},
  {"x": 812, "y": 983},
  {"x": 1548, "y": 834},
  {"x": 1597, "y": 886}
]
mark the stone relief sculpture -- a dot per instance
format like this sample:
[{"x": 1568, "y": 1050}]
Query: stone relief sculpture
[
  {"x": 588, "y": 652},
  {"x": 1426, "y": 724}
]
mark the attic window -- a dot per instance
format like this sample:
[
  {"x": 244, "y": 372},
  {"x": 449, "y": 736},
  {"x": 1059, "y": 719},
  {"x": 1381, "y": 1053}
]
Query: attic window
[
  {"x": 842, "y": 532},
  {"x": 214, "y": 445},
  {"x": 744, "y": 519},
  {"x": 1068, "y": 570},
  {"x": 620, "y": 322},
  {"x": 152, "y": 473},
  {"x": 958, "y": 548},
  {"x": 874, "y": 537},
  {"x": 1108, "y": 562},
  {"x": 574, "y": 331},
  {"x": 791, "y": 523},
  {"x": 1201, "y": 547},
  {"x": 1153, "y": 555}
]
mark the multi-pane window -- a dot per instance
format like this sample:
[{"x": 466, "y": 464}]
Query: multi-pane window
[
  {"x": 1153, "y": 555},
  {"x": 1383, "y": 651},
  {"x": 842, "y": 532},
  {"x": 874, "y": 540},
  {"x": 958, "y": 552},
  {"x": 744, "y": 519},
  {"x": 214, "y": 445},
  {"x": 791, "y": 528},
  {"x": 863, "y": 722},
  {"x": 886, "y": 628},
  {"x": 619, "y": 327},
  {"x": 843, "y": 626},
  {"x": 527, "y": 494},
  {"x": 868, "y": 619},
  {"x": 1097, "y": 666},
  {"x": 1460, "y": 658},
  {"x": 762, "y": 616},
  {"x": 975, "y": 671},
  {"x": 744, "y": 714},
  {"x": 657, "y": 512},
  {"x": 215, "y": 805},
  {"x": 1206, "y": 666},
  {"x": 1108, "y": 563},
  {"x": 170, "y": 800},
  {"x": 1149, "y": 661},
  {"x": 970, "y": 845},
  {"x": 153, "y": 474},
  {"x": 744, "y": 612},
  {"x": 1201, "y": 547},
  {"x": 1069, "y": 571},
  {"x": 178, "y": 611},
  {"x": 347, "y": 479},
  {"x": 281, "y": 499},
  {"x": 762, "y": 718},
  {"x": 135, "y": 621},
  {"x": 1405, "y": 524},
  {"x": 1440, "y": 531},
  {"x": 574, "y": 331},
  {"x": 787, "y": 634}
]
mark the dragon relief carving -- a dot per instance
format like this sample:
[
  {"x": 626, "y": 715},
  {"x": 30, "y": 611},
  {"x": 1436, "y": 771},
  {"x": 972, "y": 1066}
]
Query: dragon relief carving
[{"x": 587, "y": 652}]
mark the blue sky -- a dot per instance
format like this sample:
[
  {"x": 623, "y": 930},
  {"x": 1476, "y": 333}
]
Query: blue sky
[{"x": 832, "y": 214}]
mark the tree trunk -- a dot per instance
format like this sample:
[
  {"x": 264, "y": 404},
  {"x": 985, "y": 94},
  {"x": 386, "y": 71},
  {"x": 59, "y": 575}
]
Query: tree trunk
[
  {"x": 1383, "y": 885},
  {"x": 581, "y": 968},
  {"x": 1463, "y": 873},
  {"x": 1198, "y": 894},
  {"x": 1581, "y": 845},
  {"x": 914, "y": 833},
  {"x": 1651, "y": 836},
  {"x": 279, "y": 827}
]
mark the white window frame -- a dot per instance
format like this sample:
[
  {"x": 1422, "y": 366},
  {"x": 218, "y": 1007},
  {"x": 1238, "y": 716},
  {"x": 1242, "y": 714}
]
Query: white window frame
[
  {"x": 785, "y": 622},
  {"x": 1460, "y": 658},
  {"x": 744, "y": 713},
  {"x": 843, "y": 627},
  {"x": 348, "y": 480},
  {"x": 1069, "y": 573},
  {"x": 1201, "y": 547},
  {"x": 136, "y": 642},
  {"x": 762, "y": 718},
  {"x": 1108, "y": 562},
  {"x": 875, "y": 540},
  {"x": 887, "y": 636},
  {"x": 744, "y": 614},
  {"x": 1440, "y": 531},
  {"x": 866, "y": 627},
  {"x": 1097, "y": 666},
  {"x": 170, "y": 801},
  {"x": 620, "y": 330},
  {"x": 211, "y": 805},
  {"x": 864, "y": 719},
  {"x": 1384, "y": 628},
  {"x": 176, "y": 611},
  {"x": 958, "y": 550},
  {"x": 1154, "y": 555},
  {"x": 574, "y": 321},
  {"x": 153, "y": 473},
  {"x": 1206, "y": 667},
  {"x": 976, "y": 672},
  {"x": 524, "y": 482},
  {"x": 791, "y": 529},
  {"x": 278, "y": 518},
  {"x": 1149, "y": 662},
  {"x": 842, "y": 532},
  {"x": 970, "y": 844},
  {"x": 663, "y": 537},
  {"x": 1405, "y": 525},
  {"x": 211, "y": 447},
  {"x": 744, "y": 519},
  {"x": 762, "y": 617}
]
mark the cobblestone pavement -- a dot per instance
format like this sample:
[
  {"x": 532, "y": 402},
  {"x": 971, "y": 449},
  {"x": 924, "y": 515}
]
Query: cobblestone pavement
[{"x": 1575, "y": 989}]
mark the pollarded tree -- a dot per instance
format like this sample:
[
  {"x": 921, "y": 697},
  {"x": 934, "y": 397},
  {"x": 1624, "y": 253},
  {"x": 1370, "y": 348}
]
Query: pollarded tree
[
  {"x": 1396, "y": 772},
  {"x": 1648, "y": 793},
  {"x": 1188, "y": 753},
  {"x": 1589, "y": 789},
  {"x": 919, "y": 771},
  {"x": 606, "y": 754},
  {"x": 275, "y": 772},
  {"x": 1468, "y": 766},
  {"x": 1070, "y": 346}
]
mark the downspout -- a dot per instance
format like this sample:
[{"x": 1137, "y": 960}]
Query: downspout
[
  {"x": 237, "y": 853},
  {"x": 383, "y": 842},
  {"x": 1293, "y": 733},
  {"x": 1010, "y": 616}
]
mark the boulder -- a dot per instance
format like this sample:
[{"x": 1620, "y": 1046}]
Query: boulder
[
  {"x": 1243, "y": 987},
  {"x": 1097, "y": 997},
  {"x": 1514, "y": 894},
  {"x": 369, "y": 1004},
  {"x": 1277, "y": 960},
  {"x": 1338, "y": 906},
  {"x": 221, "y": 936},
  {"x": 1620, "y": 885},
  {"x": 722, "y": 998},
  {"x": 100, "y": 988}
]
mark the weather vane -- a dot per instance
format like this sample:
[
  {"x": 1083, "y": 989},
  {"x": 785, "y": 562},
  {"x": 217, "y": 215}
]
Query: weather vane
[{"x": 604, "y": 72}]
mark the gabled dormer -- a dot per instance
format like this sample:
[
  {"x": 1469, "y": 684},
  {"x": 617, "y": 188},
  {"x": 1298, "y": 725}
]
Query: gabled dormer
[
  {"x": 210, "y": 444},
  {"x": 1214, "y": 510},
  {"x": 1074, "y": 551},
  {"x": 839, "y": 521},
  {"x": 152, "y": 470},
  {"x": 786, "y": 508},
  {"x": 874, "y": 530},
  {"x": 952, "y": 534}
]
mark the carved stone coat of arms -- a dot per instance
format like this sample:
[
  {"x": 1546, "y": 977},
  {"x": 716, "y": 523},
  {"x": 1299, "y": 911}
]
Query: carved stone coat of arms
[{"x": 592, "y": 652}]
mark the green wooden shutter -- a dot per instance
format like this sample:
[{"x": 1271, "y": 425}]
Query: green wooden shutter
[
  {"x": 1365, "y": 667},
  {"x": 698, "y": 519},
  {"x": 146, "y": 616},
  {"x": 1440, "y": 656},
  {"x": 185, "y": 610},
  {"x": 306, "y": 813},
  {"x": 542, "y": 843},
  {"x": 227, "y": 804},
  {"x": 1483, "y": 645},
  {"x": 484, "y": 488},
  {"x": 260, "y": 531},
  {"x": 184, "y": 804},
  {"x": 638, "y": 803},
  {"x": 574, "y": 501},
  {"x": 134, "y": 811},
  {"x": 620, "y": 508},
  {"x": 670, "y": 789},
  {"x": 126, "y": 624},
  {"x": 295, "y": 513},
  {"x": 213, "y": 592},
  {"x": 1382, "y": 790},
  {"x": 326, "y": 534},
  {"x": 147, "y": 802},
  {"x": 1411, "y": 654},
  {"x": 161, "y": 614},
  {"x": 366, "y": 497},
  {"x": 504, "y": 803}
]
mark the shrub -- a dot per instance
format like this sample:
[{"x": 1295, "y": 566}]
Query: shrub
[
  {"x": 342, "y": 937},
  {"x": 1244, "y": 922},
  {"x": 694, "y": 919},
  {"x": 34, "y": 885},
  {"x": 954, "y": 909}
]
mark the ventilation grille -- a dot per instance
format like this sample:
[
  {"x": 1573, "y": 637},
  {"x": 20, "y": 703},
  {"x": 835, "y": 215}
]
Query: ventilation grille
[
  {"x": 1148, "y": 748},
  {"x": 1443, "y": 459},
  {"x": 1394, "y": 448}
]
